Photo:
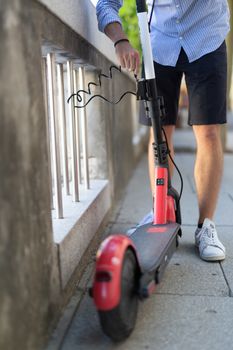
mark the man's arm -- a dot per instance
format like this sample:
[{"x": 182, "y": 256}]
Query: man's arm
[{"x": 109, "y": 22}]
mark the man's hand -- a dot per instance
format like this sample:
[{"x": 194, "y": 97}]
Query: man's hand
[{"x": 128, "y": 57}]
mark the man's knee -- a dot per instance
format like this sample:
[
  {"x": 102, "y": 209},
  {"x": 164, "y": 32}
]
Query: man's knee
[{"x": 207, "y": 133}]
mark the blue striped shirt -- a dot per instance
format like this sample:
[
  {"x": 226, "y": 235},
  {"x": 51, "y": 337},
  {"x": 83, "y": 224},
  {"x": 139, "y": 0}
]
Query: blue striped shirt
[{"x": 199, "y": 26}]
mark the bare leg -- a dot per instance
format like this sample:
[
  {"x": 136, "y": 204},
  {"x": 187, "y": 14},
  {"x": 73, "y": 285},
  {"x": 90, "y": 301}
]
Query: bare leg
[
  {"x": 169, "y": 129},
  {"x": 208, "y": 168}
]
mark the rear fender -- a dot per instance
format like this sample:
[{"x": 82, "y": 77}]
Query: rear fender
[{"x": 106, "y": 289}]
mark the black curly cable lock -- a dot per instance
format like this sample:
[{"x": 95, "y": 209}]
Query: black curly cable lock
[{"x": 88, "y": 91}]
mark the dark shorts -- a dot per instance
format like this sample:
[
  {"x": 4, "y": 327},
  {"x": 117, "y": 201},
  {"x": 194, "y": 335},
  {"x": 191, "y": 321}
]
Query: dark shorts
[{"x": 206, "y": 81}]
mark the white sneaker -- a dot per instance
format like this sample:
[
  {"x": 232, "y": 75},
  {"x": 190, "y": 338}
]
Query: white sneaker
[
  {"x": 206, "y": 239},
  {"x": 146, "y": 220}
]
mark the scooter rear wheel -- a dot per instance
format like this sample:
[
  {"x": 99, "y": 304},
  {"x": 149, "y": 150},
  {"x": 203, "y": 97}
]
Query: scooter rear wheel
[{"x": 119, "y": 322}]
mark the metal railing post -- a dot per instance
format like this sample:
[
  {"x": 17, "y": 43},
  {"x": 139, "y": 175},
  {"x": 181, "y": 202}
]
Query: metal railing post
[
  {"x": 70, "y": 85},
  {"x": 51, "y": 66},
  {"x": 77, "y": 129},
  {"x": 83, "y": 119},
  {"x": 45, "y": 90},
  {"x": 63, "y": 129}
]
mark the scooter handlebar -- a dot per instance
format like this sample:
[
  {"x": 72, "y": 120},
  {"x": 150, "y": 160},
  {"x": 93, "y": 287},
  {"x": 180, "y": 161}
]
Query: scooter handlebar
[
  {"x": 141, "y": 6},
  {"x": 145, "y": 39}
]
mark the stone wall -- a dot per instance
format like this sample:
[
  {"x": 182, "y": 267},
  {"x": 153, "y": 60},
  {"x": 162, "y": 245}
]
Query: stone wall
[
  {"x": 25, "y": 224},
  {"x": 31, "y": 296}
]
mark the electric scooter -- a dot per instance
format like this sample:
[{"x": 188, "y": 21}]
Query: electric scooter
[{"x": 128, "y": 268}]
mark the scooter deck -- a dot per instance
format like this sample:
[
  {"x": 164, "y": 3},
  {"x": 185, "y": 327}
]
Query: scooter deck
[{"x": 155, "y": 244}]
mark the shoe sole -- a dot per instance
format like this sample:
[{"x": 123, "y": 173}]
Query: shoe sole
[{"x": 213, "y": 258}]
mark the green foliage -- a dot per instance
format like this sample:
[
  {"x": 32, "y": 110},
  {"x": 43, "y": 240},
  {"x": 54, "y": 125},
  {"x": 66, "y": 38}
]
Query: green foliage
[{"x": 129, "y": 19}]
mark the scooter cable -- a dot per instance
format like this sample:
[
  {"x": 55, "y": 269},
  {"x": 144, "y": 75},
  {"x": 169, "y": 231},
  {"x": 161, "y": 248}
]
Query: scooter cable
[
  {"x": 105, "y": 99},
  {"x": 79, "y": 97},
  {"x": 176, "y": 167}
]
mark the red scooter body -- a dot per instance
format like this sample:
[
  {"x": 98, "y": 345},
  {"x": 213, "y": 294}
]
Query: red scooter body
[
  {"x": 106, "y": 289},
  {"x": 164, "y": 205}
]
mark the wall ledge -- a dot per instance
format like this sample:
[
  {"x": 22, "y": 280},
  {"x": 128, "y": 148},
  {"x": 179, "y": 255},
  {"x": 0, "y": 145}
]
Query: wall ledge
[{"x": 74, "y": 233}]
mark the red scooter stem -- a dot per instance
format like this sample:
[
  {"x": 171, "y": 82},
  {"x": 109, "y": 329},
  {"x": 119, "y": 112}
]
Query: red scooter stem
[{"x": 160, "y": 196}]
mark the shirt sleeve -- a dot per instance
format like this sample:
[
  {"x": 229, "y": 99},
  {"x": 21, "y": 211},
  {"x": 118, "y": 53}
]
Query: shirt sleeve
[{"x": 107, "y": 12}]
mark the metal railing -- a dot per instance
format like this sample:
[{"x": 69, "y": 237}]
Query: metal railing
[{"x": 66, "y": 130}]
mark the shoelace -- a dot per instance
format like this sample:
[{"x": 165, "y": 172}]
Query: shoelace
[{"x": 209, "y": 236}]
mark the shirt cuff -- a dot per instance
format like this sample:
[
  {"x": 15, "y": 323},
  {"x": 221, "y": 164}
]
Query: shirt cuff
[{"x": 107, "y": 18}]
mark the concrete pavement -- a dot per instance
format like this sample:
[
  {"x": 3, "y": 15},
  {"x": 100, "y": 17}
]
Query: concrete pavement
[{"x": 192, "y": 308}]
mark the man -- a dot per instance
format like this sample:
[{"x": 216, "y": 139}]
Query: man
[{"x": 188, "y": 37}]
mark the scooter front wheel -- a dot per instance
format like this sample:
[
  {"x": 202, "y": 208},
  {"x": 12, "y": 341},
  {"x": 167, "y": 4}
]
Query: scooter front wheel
[{"x": 119, "y": 322}]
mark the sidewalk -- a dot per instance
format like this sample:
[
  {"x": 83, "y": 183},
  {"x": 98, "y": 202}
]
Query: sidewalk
[{"x": 192, "y": 307}]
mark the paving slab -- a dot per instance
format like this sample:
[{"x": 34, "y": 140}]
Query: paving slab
[
  {"x": 165, "y": 322},
  {"x": 137, "y": 199},
  {"x": 226, "y": 235},
  {"x": 227, "y": 183}
]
